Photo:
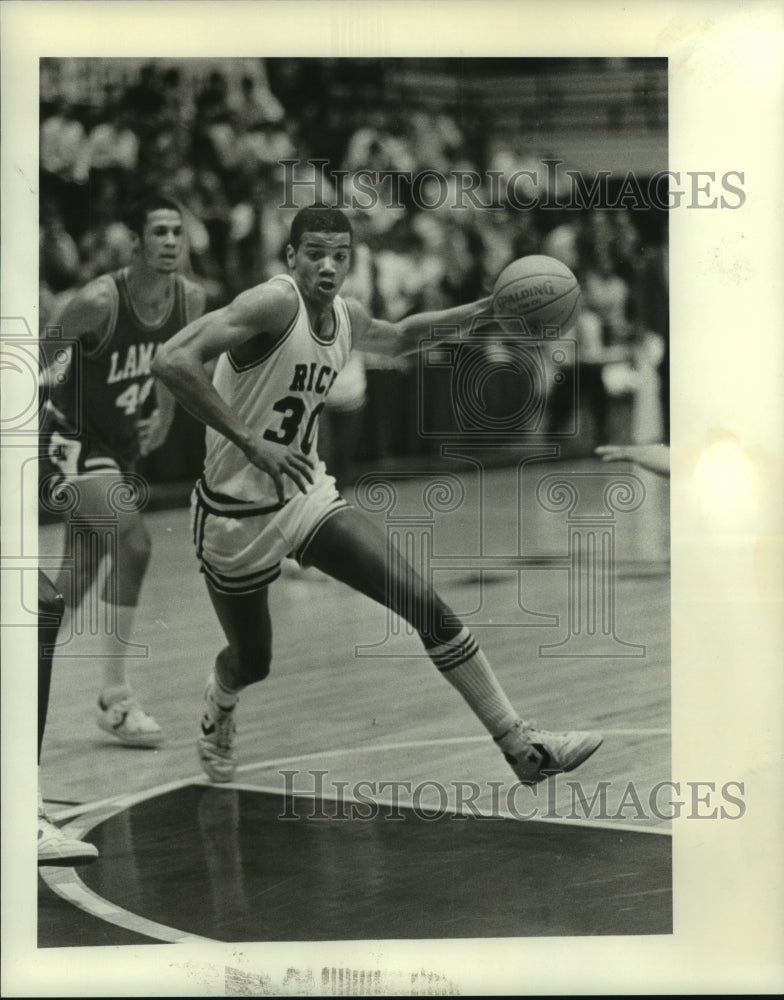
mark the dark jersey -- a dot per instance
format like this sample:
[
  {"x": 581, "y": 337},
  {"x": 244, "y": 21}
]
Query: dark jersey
[{"x": 110, "y": 386}]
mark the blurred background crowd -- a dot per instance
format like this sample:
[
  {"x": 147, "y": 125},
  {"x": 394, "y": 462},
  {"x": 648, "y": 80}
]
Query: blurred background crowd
[{"x": 212, "y": 134}]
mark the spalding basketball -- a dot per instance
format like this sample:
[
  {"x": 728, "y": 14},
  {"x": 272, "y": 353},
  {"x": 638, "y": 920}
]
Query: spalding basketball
[{"x": 541, "y": 290}]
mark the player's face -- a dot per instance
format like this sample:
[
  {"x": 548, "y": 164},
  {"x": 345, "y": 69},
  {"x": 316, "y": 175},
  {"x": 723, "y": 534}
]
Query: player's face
[
  {"x": 320, "y": 265},
  {"x": 162, "y": 240}
]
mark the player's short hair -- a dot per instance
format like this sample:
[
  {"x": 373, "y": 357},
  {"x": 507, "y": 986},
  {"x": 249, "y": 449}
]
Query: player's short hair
[
  {"x": 318, "y": 219},
  {"x": 137, "y": 214}
]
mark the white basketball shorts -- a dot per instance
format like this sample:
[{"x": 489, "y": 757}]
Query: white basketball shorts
[{"x": 240, "y": 545}]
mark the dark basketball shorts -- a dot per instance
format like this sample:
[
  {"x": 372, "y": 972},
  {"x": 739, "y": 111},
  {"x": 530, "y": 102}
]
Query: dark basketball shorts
[{"x": 66, "y": 458}]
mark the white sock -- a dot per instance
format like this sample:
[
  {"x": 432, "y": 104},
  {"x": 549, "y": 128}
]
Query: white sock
[
  {"x": 465, "y": 666},
  {"x": 225, "y": 697}
]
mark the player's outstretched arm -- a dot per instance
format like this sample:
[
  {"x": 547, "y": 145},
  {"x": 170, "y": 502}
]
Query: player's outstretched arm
[
  {"x": 382, "y": 337},
  {"x": 655, "y": 457},
  {"x": 180, "y": 364}
]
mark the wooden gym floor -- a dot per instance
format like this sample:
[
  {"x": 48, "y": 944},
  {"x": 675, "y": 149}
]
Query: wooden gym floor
[{"x": 369, "y": 802}]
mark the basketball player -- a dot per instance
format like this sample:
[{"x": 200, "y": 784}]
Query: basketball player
[
  {"x": 100, "y": 420},
  {"x": 264, "y": 493},
  {"x": 55, "y": 847}
]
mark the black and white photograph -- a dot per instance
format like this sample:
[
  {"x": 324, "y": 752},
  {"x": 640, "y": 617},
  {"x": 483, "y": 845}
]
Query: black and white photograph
[{"x": 396, "y": 545}]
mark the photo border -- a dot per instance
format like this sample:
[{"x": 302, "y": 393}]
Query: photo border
[{"x": 725, "y": 82}]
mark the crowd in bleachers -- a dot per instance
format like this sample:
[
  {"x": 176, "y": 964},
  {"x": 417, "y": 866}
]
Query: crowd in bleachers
[{"x": 213, "y": 137}]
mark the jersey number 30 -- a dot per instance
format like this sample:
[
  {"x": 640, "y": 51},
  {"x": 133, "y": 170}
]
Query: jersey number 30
[{"x": 293, "y": 409}]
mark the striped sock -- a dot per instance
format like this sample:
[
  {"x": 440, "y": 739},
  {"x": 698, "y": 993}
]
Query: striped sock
[
  {"x": 465, "y": 666},
  {"x": 225, "y": 697}
]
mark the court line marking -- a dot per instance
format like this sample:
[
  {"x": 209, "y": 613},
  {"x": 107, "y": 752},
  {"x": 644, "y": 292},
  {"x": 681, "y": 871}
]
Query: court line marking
[
  {"x": 389, "y": 803},
  {"x": 111, "y": 807},
  {"x": 118, "y": 803},
  {"x": 124, "y": 801},
  {"x": 67, "y": 884}
]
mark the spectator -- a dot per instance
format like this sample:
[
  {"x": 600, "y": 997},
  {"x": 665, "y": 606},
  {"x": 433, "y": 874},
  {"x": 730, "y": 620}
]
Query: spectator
[
  {"x": 65, "y": 166},
  {"x": 178, "y": 109},
  {"x": 376, "y": 147},
  {"x": 114, "y": 144},
  {"x": 497, "y": 234},
  {"x": 113, "y": 150},
  {"x": 435, "y": 140},
  {"x": 108, "y": 244},
  {"x": 212, "y": 100},
  {"x": 262, "y": 146},
  {"x": 146, "y": 102},
  {"x": 58, "y": 253},
  {"x": 63, "y": 146},
  {"x": 254, "y": 105}
]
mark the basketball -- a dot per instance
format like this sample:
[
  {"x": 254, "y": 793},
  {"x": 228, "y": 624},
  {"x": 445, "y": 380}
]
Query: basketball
[{"x": 540, "y": 290}]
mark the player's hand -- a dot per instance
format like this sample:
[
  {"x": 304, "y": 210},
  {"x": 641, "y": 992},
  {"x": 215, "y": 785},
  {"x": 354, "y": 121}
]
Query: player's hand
[
  {"x": 278, "y": 462},
  {"x": 654, "y": 457},
  {"x": 614, "y": 453},
  {"x": 152, "y": 432}
]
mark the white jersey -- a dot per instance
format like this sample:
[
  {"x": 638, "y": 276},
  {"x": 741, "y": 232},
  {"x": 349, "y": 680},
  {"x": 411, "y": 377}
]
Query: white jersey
[{"x": 281, "y": 394}]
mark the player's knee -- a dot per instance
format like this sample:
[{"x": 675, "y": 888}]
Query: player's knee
[
  {"x": 254, "y": 660},
  {"x": 254, "y": 666},
  {"x": 263, "y": 658}
]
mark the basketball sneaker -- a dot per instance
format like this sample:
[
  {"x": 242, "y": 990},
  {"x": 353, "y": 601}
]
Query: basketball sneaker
[
  {"x": 536, "y": 754},
  {"x": 55, "y": 847},
  {"x": 126, "y": 719},
  {"x": 217, "y": 739}
]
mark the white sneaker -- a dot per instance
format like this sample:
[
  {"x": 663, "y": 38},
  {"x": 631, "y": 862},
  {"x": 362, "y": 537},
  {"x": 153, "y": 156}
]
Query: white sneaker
[
  {"x": 127, "y": 720},
  {"x": 536, "y": 754},
  {"x": 217, "y": 739},
  {"x": 55, "y": 847}
]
